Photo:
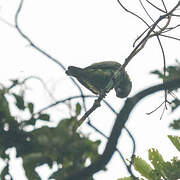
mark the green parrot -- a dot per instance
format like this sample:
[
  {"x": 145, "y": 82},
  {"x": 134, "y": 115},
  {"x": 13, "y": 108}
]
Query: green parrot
[{"x": 96, "y": 77}]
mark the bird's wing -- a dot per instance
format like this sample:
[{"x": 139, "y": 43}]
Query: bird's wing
[
  {"x": 99, "y": 74},
  {"x": 105, "y": 65}
]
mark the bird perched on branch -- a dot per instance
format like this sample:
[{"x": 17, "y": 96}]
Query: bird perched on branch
[{"x": 96, "y": 77}]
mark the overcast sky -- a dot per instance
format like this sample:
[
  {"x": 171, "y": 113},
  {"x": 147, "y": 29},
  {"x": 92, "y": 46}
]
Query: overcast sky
[{"x": 79, "y": 33}]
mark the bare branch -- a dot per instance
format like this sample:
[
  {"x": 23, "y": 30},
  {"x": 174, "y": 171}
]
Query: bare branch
[
  {"x": 171, "y": 37},
  {"x": 155, "y": 7},
  {"x": 171, "y": 28},
  {"x": 155, "y": 108},
  {"x": 92, "y": 109},
  {"x": 139, "y": 37},
  {"x": 142, "y": 43},
  {"x": 164, "y": 5},
  {"x": 164, "y": 67},
  {"x": 134, "y": 14},
  {"x": 146, "y": 11}
]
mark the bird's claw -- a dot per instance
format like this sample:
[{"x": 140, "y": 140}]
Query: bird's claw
[{"x": 102, "y": 94}]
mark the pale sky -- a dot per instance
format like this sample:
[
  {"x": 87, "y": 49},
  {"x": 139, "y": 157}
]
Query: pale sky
[{"x": 79, "y": 33}]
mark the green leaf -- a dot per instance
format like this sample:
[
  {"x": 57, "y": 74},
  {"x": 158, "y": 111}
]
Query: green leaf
[
  {"x": 143, "y": 167},
  {"x": 31, "y": 107},
  {"x": 175, "y": 124},
  {"x": 176, "y": 141},
  {"x": 19, "y": 101},
  {"x": 44, "y": 117},
  {"x": 78, "y": 109},
  {"x": 156, "y": 72},
  {"x": 156, "y": 159}
]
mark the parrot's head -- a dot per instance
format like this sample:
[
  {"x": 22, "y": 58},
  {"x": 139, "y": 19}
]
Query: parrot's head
[
  {"x": 124, "y": 87},
  {"x": 123, "y": 92}
]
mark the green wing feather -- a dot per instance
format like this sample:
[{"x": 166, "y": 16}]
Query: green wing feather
[
  {"x": 99, "y": 74},
  {"x": 105, "y": 65}
]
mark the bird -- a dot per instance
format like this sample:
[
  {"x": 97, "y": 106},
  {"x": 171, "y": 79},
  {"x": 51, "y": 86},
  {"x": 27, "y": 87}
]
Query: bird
[{"x": 96, "y": 77}]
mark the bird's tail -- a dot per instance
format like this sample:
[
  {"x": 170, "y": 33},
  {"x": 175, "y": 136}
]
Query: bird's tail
[{"x": 74, "y": 71}]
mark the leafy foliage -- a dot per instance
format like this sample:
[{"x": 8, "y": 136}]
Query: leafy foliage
[
  {"x": 142, "y": 167},
  {"x": 46, "y": 145},
  {"x": 161, "y": 170}
]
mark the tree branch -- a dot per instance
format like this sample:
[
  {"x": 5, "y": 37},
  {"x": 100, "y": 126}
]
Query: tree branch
[{"x": 120, "y": 122}]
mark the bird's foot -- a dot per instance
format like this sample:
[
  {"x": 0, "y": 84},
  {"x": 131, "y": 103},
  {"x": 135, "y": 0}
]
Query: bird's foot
[{"x": 102, "y": 94}]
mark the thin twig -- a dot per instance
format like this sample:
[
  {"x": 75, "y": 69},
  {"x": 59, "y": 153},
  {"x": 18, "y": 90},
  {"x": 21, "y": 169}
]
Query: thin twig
[
  {"x": 171, "y": 28},
  {"x": 92, "y": 109},
  {"x": 164, "y": 68},
  {"x": 134, "y": 14},
  {"x": 146, "y": 11},
  {"x": 164, "y": 6},
  {"x": 62, "y": 101},
  {"x": 155, "y": 7},
  {"x": 163, "y": 112},
  {"x": 170, "y": 37},
  {"x": 139, "y": 37},
  {"x": 43, "y": 52},
  {"x": 155, "y": 108}
]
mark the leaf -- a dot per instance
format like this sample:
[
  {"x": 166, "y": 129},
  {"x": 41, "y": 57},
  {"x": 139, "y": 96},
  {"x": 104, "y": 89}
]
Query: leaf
[
  {"x": 44, "y": 117},
  {"x": 19, "y": 101},
  {"x": 156, "y": 72},
  {"x": 158, "y": 162},
  {"x": 176, "y": 141},
  {"x": 175, "y": 124},
  {"x": 174, "y": 104},
  {"x": 78, "y": 109},
  {"x": 156, "y": 159},
  {"x": 143, "y": 167},
  {"x": 31, "y": 107}
]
